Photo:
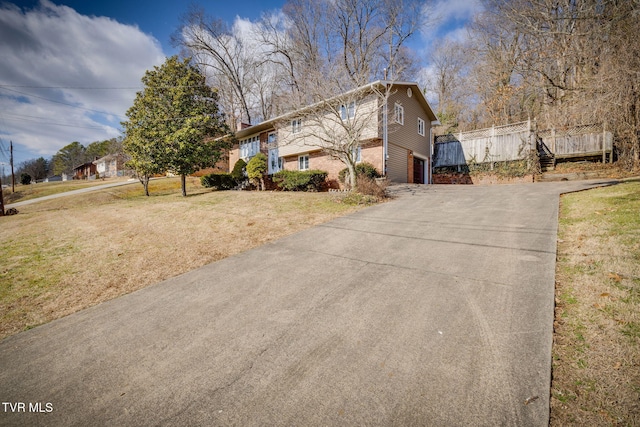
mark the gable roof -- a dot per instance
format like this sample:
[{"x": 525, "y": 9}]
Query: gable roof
[
  {"x": 108, "y": 157},
  {"x": 269, "y": 124}
]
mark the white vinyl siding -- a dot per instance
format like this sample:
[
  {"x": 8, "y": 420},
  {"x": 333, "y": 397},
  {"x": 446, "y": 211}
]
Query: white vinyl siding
[{"x": 305, "y": 140}]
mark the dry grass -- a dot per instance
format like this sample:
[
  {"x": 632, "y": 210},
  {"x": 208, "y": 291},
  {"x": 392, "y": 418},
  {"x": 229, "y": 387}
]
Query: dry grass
[
  {"x": 606, "y": 170},
  {"x": 32, "y": 191},
  {"x": 63, "y": 255},
  {"x": 596, "y": 354}
]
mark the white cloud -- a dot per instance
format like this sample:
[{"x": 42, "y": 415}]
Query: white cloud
[
  {"x": 456, "y": 9},
  {"x": 52, "y": 53},
  {"x": 445, "y": 20},
  {"x": 448, "y": 19},
  {"x": 460, "y": 35}
]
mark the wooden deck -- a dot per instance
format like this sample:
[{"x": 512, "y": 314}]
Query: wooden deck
[{"x": 516, "y": 141}]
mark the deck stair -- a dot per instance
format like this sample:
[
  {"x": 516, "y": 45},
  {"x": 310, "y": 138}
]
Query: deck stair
[{"x": 547, "y": 158}]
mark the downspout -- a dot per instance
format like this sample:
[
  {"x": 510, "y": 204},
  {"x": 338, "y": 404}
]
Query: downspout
[
  {"x": 431, "y": 149},
  {"x": 385, "y": 139},
  {"x": 430, "y": 154}
]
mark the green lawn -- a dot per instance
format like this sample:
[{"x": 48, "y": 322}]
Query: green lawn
[{"x": 596, "y": 353}]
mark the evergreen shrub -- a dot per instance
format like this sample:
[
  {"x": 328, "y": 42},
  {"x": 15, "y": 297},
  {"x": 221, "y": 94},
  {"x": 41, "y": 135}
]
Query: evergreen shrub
[
  {"x": 218, "y": 181},
  {"x": 311, "y": 180},
  {"x": 362, "y": 169},
  {"x": 238, "y": 170}
]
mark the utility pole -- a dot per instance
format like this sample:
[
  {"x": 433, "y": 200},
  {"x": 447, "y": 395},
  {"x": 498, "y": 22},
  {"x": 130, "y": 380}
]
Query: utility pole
[
  {"x": 13, "y": 176},
  {"x": 1, "y": 199}
]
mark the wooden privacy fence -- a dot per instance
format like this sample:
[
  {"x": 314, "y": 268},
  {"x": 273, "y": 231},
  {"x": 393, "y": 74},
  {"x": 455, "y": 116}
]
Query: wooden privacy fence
[
  {"x": 498, "y": 143},
  {"x": 516, "y": 141},
  {"x": 578, "y": 141}
]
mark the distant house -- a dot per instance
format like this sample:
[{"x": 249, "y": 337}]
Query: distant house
[
  {"x": 55, "y": 178},
  {"x": 111, "y": 165},
  {"x": 396, "y": 137},
  {"x": 84, "y": 171}
]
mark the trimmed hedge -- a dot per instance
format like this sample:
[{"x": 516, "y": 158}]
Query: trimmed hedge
[
  {"x": 311, "y": 180},
  {"x": 218, "y": 181},
  {"x": 239, "y": 170},
  {"x": 362, "y": 169}
]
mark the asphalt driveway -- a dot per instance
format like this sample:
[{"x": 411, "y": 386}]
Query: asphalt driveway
[{"x": 433, "y": 309}]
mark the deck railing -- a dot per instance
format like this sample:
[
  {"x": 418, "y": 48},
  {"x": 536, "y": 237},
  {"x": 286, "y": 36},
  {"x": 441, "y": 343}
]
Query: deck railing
[{"x": 516, "y": 141}]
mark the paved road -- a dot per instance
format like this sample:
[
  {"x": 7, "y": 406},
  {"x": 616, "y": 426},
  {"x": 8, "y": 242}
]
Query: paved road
[
  {"x": 69, "y": 193},
  {"x": 433, "y": 309}
]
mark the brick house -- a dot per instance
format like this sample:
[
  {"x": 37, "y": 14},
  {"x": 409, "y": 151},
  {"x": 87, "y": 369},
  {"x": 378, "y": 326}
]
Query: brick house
[
  {"x": 111, "y": 165},
  {"x": 395, "y": 134},
  {"x": 84, "y": 171}
]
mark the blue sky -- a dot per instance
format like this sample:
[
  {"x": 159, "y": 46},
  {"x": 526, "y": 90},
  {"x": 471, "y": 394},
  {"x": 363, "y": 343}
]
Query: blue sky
[
  {"x": 159, "y": 18},
  {"x": 71, "y": 68}
]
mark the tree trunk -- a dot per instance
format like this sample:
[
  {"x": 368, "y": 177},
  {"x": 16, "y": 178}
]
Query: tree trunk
[
  {"x": 353, "y": 179},
  {"x": 144, "y": 180},
  {"x": 183, "y": 184},
  {"x": 1, "y": 199}
]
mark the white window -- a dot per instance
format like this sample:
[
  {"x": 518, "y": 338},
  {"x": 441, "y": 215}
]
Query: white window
[
  {"x": 399, "y": 114},
  {"x": 348, "y": 111},
  {"x": 420, "y": 126},
  {"x": 296, "y": 125},
  {"x": 303, "y": 162},
  {"x": 249, "y": 147},
  {"x": 272, "y": 139}
]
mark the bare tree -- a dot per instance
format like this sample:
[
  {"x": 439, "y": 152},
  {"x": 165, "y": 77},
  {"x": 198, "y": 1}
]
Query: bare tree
[
  {"x": 37, "y": 169},
  {"x": 565, "y": 62},
  {"x": 296, "y": 40},
  {"x": 225, "y": 59},
  {"x": 447, "y": 79},
  {"x": 497, "y": 50},
  {"x": 360, "y": 40},
  {"x": 316, "y": 50},
  {"x": 348, "y": 44},
  {"x": 618, "y": 83},
  {"x": 402, "y": 19},
  {"x": 338, "y": 125},
  {"x": 556, "y": 36}
]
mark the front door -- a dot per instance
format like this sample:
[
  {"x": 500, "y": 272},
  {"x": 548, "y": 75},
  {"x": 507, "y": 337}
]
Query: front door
[
  {"x": 418, "y": 171},
  {"x": 275, "y": 162}
]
